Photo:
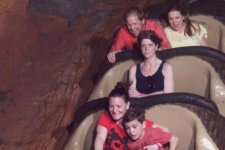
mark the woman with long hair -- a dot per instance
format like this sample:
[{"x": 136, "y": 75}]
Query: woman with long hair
[{"x": 181, "y": 30}]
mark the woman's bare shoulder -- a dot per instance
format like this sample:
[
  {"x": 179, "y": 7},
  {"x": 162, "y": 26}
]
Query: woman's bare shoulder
[
  {"x": 167, "y": 66},
  {"x": 133, "y": 68}
]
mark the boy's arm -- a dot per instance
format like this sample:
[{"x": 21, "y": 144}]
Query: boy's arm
[
  {"x": 173, "y": 142},
  {"x": 151, "y": 147}
]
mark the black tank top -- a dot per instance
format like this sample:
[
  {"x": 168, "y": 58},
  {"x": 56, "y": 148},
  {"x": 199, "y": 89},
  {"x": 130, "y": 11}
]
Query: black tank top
[{"x": 151, "y": 83}]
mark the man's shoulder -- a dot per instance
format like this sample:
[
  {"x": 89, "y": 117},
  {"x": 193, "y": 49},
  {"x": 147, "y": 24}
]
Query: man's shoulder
[
  {"x": 123, "y": 29},
  {"x": 124, "y": 34}
]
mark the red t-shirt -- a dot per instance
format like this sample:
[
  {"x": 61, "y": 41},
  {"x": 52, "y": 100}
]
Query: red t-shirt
[
  {"x": 125, "y": 40},
  {"x": 116, "y": 138},
  {"x": 152, "y": 136}
]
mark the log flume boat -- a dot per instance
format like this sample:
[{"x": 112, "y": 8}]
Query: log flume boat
[{"x": 194, "y": 112}]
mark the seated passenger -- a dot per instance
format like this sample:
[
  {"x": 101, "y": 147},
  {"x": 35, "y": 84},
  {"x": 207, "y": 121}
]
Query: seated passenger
[
  {"x": 110, "y": 133},
  {"x": 153, "y": 75},
  {"x": 181, "y": 30},
  {"x": 143, "y": 137},
  {"x": 126, "y": 38}
]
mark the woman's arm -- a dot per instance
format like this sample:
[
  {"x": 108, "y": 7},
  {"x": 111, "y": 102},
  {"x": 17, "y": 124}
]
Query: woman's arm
[
  {"x": 168, "y": 78},
  {"x": 173, "y": 142},
  {"x": 132, "y": 77},
  {"x": 132, "y": 81},
  {"x": 101, "y": 133},
  {"x": 154, "y": 93}
]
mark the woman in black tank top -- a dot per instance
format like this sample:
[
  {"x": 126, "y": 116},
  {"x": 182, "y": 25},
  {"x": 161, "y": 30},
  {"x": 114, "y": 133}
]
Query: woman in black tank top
[{"x": 151, "y": 76}]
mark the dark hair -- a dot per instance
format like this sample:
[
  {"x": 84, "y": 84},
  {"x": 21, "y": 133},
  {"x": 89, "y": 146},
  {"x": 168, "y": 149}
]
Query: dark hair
[
  {"x": 120, "y": 90},
  {"x": 134, "y": 113},
  {"x": 182, "y": 7},
  {"x": 149, "y": 34},
  {"x": 135, "y": 11}
]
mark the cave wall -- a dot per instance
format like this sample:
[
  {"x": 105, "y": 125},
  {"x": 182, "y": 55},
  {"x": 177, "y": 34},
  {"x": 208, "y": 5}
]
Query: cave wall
[{"x": 49, "y": 52}]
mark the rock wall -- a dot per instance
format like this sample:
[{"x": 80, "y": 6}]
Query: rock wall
[{"x": 50, "y": 52}]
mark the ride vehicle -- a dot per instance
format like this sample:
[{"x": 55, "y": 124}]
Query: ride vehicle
[{"x": 198, "y": 93}]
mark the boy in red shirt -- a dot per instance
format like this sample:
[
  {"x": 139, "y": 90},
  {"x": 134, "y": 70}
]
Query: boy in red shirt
[{"x": 142, "y": 137}]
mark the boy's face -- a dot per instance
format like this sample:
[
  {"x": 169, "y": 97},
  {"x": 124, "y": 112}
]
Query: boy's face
[{"x": 135, "y": 129}]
